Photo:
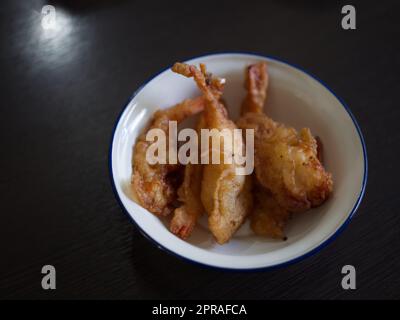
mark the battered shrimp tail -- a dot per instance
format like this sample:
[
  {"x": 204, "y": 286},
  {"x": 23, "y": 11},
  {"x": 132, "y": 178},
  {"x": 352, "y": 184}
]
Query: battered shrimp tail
[
  {"x": 210, "y": 86},
  {"x": 256, "y": 85}
]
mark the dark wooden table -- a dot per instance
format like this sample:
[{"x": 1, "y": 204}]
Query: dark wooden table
[{"x": 61, "y": 95}]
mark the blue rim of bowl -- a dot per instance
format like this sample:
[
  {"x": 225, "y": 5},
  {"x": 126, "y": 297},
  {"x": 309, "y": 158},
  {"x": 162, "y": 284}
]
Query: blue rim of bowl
[{"x": 279, "y": 265}]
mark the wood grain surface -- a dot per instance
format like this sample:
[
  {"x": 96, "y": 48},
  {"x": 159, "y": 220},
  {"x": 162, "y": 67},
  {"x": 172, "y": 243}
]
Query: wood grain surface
[{"x": 60, "y": 98}]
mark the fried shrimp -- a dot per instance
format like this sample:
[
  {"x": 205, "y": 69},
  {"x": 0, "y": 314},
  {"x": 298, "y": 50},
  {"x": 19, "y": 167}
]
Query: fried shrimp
[
  {"x": 225, "y": 195},
  {"x": 286, "y": 161},
  {"x": 186, "y": 216},
  {"x": 154, "y": 185}
]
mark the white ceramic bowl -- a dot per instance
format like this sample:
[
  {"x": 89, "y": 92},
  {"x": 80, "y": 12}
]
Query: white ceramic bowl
[{"x": 294, "y": 98}]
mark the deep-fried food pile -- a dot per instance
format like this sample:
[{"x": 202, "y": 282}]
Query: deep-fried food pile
[{"x": 289, "y": 177}]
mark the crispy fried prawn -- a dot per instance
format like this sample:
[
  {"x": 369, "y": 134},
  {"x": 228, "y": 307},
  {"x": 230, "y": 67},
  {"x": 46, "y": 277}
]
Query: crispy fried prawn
[
  {"x": 286, "y": 161},
  {"x": 185, "y": 217},
  {"x": 154, "y": 186},
  {"x": 225, "y": 195}
]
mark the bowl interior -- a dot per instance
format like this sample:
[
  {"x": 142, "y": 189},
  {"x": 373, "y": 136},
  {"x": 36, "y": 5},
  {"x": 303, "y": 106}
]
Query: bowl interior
[{"x": 295, "y": 99}]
